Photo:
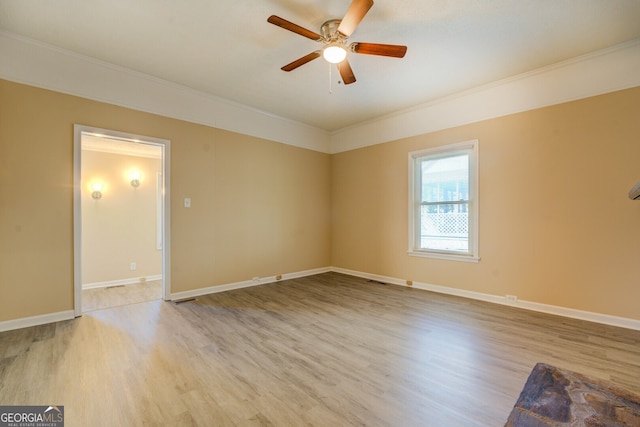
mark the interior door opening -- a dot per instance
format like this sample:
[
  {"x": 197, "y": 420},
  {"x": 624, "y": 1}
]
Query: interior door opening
[{"x": 121, "y": 219}]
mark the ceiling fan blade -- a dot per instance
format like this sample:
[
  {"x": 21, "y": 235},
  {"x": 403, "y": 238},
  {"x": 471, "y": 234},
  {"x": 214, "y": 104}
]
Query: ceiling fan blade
[
  {"x": 392, "y": 50},
  {"x": 346, "y": 72},
  {"x": 283, "y": 23},
  {"x": 299, "y": 62},
  {"x": 354, "y": 15}
]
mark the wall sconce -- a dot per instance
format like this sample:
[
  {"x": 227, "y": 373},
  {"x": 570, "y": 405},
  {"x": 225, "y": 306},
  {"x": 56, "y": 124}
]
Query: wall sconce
[
  {"x": 135, "y": 179},
  {"x": 96, "y": 190}
]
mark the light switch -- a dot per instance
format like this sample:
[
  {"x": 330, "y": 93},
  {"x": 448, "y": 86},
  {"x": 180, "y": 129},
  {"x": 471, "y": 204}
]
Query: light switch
[{"x": 187, "y": 202}]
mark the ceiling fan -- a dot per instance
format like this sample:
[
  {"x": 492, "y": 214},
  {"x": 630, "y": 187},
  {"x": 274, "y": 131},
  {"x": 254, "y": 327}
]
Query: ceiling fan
[{"x": 334, "y": 35}]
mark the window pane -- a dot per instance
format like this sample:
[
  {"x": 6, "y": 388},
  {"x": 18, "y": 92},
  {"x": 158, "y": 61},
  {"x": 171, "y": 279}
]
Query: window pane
[
  {"x": 443, "y": 202},
  {"x": 445, "y": 179},
  {"x": 445, "y": 227}
]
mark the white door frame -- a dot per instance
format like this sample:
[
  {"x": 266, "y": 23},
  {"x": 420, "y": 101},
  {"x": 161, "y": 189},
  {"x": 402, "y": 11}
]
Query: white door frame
[{"x": 78, "y": 131}]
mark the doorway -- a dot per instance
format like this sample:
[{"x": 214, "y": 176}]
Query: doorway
[{"x": 121, "y": 218}]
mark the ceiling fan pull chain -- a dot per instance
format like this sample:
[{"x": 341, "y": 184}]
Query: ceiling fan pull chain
[
  {"x": 330, "y": 91},
  {"x": 333, "y": 37}
]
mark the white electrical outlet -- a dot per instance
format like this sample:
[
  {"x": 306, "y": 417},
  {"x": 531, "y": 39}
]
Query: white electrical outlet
[{"x": 133, "y": 266}]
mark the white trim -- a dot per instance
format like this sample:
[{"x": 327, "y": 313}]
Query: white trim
[
  {"x": 159, "y": 210},
  {"x": 38, "y": 64},
  {"x": 34, "y": 63},
  {"x": 596, "y": 73},
  {"x": 26, "y": 322},
  {"x": 526, "y": 305},
  {"x": 166, "y": 218},
  {"x": 131, "y": 281},
  {"x": 445, "y": 256},
  {"x": 244, "y": 284},
  {"x": 77, "y": 220},
  {"x": 165, "y": 145},
  {"x": 572, "y": 313},
  {"x": 415, "y": 193}
]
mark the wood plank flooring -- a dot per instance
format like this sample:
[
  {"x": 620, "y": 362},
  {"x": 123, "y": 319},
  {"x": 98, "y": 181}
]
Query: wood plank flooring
[
  {"x": 326, "y": 350},
  {"x": 114, "y": 296}
]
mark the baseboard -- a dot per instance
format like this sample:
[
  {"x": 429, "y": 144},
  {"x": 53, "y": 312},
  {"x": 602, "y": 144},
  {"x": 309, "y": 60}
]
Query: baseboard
[
  {"x": 605, "y": 319},
  {"x": 527, "y": 305},
  {"x": 130, "y": 281},
  {"x": 26, "y": 322},
  {"x": 177, "y": 296}
]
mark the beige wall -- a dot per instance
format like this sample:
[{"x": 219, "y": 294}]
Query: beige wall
[
  {"x": 259, "y": 208},
  {"x": 556, "y": 225},
  {"x": 121, "y": 227}
]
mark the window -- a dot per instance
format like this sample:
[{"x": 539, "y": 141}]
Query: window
[{"x": 443, "y": 211}]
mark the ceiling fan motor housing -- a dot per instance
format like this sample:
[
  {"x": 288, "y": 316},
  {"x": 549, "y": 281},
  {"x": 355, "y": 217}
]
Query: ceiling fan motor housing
[
  {"x": 330, "y": 31},
  {"x": 334, "y": 35}
]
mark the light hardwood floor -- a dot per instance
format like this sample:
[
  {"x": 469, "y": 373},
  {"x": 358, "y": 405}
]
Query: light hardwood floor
[
  {"x": 115, "y": 296},
  {"x": 326, "y": 350}
]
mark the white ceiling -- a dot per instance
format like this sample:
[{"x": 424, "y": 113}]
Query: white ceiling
[
  {"x": 107, "y": 144},
  {"x": 227, "y": 48}
]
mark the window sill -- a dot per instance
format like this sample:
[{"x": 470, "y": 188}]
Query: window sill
[{"x": 445, "y": 256}]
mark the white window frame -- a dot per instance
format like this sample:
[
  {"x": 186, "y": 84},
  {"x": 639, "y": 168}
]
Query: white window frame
[{"x": 415, "y": 195}]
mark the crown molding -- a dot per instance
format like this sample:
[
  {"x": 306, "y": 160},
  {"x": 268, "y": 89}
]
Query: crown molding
[
  {"x": 41, "y": 65},
  {"x": 38, "y": 64},
  {"x": 604, "y": 71}
]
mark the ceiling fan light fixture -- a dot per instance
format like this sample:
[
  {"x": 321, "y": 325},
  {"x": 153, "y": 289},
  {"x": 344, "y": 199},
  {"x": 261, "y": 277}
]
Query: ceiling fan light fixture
[
  {"x": 333, "y": 36},
  {"x": 334, "y": 53}
]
